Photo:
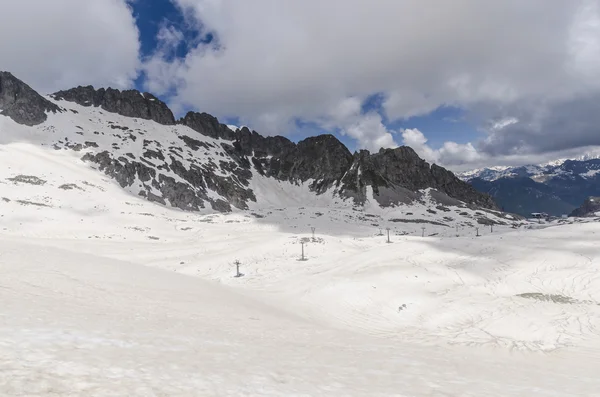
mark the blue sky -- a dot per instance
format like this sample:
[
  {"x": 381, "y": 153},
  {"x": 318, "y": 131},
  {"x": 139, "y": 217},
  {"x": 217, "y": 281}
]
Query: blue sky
[
  {"x": 441, "y": 124},
  {"x": 150, "y": 16}
]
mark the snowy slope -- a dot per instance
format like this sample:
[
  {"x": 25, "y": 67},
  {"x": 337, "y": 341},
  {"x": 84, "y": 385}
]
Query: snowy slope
[
  {"x": 79, "y": 324},
  {"x": 105, "y": 293}
]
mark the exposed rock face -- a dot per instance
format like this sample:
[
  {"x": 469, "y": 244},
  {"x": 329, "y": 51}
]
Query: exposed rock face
[
  {"x": 207, "y": 125},
  {"x": 21, "y": 103},
  {"x": 126, "y": 172},
  {"x": 588, "y": 208},
  {"x": 394, "y": 174},
  {"x": 324, "y": 159},
  {"x": 250, "y": 143},
  {"x": 130, "y": 103}
]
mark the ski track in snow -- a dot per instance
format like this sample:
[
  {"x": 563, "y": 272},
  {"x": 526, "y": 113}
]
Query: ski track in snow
[{"x": 96, "y": 297}]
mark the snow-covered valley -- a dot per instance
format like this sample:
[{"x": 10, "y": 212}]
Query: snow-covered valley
[{"x": 104, "y": 293}]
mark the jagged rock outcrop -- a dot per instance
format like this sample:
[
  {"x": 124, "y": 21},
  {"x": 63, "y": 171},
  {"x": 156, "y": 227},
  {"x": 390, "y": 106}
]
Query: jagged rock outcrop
[
  {"x": 323, "y": 159},
  {"x": 395, "y": 174},
  {"x": 129, "y": 103},
  {"x": 250, "y": 143},
  {"x": 207, "y": 125},
  {"x": 589, "y": 208},
  {"x": 189, "y": 196},
  {"x": 21, "y": 103}
]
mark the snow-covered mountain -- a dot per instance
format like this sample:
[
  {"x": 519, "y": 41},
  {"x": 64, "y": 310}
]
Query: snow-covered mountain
[
  {"x": 197, "y": 163},
  {"x": 557, "y": 187}
]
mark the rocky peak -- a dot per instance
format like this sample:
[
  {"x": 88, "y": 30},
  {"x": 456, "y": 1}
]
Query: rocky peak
[
  {"x": 394, "y": 173},
  {"x": 21, "y": 103},
  {"x": 129, "y": 103},
  {"x": 207, "y": 125},
  {"x": 323, "y": 158},
  {"x": 251, "y": 143}
]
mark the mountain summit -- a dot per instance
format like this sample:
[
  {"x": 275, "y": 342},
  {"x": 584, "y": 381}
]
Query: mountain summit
[{"x": 195, "y": 162}]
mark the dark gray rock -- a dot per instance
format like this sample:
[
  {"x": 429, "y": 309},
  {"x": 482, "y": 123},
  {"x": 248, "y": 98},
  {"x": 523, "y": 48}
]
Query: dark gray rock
[
  {"x": 21, "y": 103},
  {"x": 207, "y": 125},
  {"x": 393, "y": 172},
  {"x": 588, "y": 208},
  {"x": 122, "y": 170},
  {"x": 250, "y": 143},
  {"x": 180, "y": 195},
  {"x": 192, "y": 143},
  {"x": 189, "y": 195},
  {"x": 130, "y": 103},
  {"x": 324, "y": 159},
  {"x": 29, "y": 179}
]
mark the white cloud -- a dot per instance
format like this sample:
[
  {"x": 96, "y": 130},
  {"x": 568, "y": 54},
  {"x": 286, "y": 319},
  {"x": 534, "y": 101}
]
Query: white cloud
[
  {"x": 497, "y": 125},
  {"x": 59, "y": 44},
  {"x": 415, "y": 139},
  {"x": 367, "y": 129},
  {"x": 451, "y": 154},
  {"x": 347, "y": 108},
  {"x": 369, "y": 132},
  {"x": 168, "y": 39},
  {"x": 283, "y": 60}
]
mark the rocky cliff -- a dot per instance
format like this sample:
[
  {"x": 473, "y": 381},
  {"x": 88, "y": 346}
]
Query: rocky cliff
[
  {"x": 130, "y": 103},
  {"x": 21, "y": 103},
  {"x": 394, "y": 174}
]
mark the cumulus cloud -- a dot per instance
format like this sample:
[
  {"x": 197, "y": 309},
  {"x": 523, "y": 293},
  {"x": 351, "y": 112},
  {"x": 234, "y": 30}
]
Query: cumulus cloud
[
  {"x": 273, "y": 62},
  {"x": 370, "y": 132},
  {"x": 415, "y": 139},
  {"x": 367, "y": 129},
  {"x": 451, "y": 154},
  {"x": 59, "y": 44}
]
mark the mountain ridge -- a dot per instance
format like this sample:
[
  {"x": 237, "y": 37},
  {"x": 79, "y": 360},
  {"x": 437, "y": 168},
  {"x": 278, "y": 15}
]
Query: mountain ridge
[
  {"x": 557, "y": 187},
  {"x": 218, "y": 165}
]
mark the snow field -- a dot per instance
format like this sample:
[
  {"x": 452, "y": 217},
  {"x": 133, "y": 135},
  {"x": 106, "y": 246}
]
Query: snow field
[{"x": 105, "y": 294}]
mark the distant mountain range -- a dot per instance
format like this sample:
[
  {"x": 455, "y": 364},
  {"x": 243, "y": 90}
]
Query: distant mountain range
[{"x": 557, "y": 188}]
